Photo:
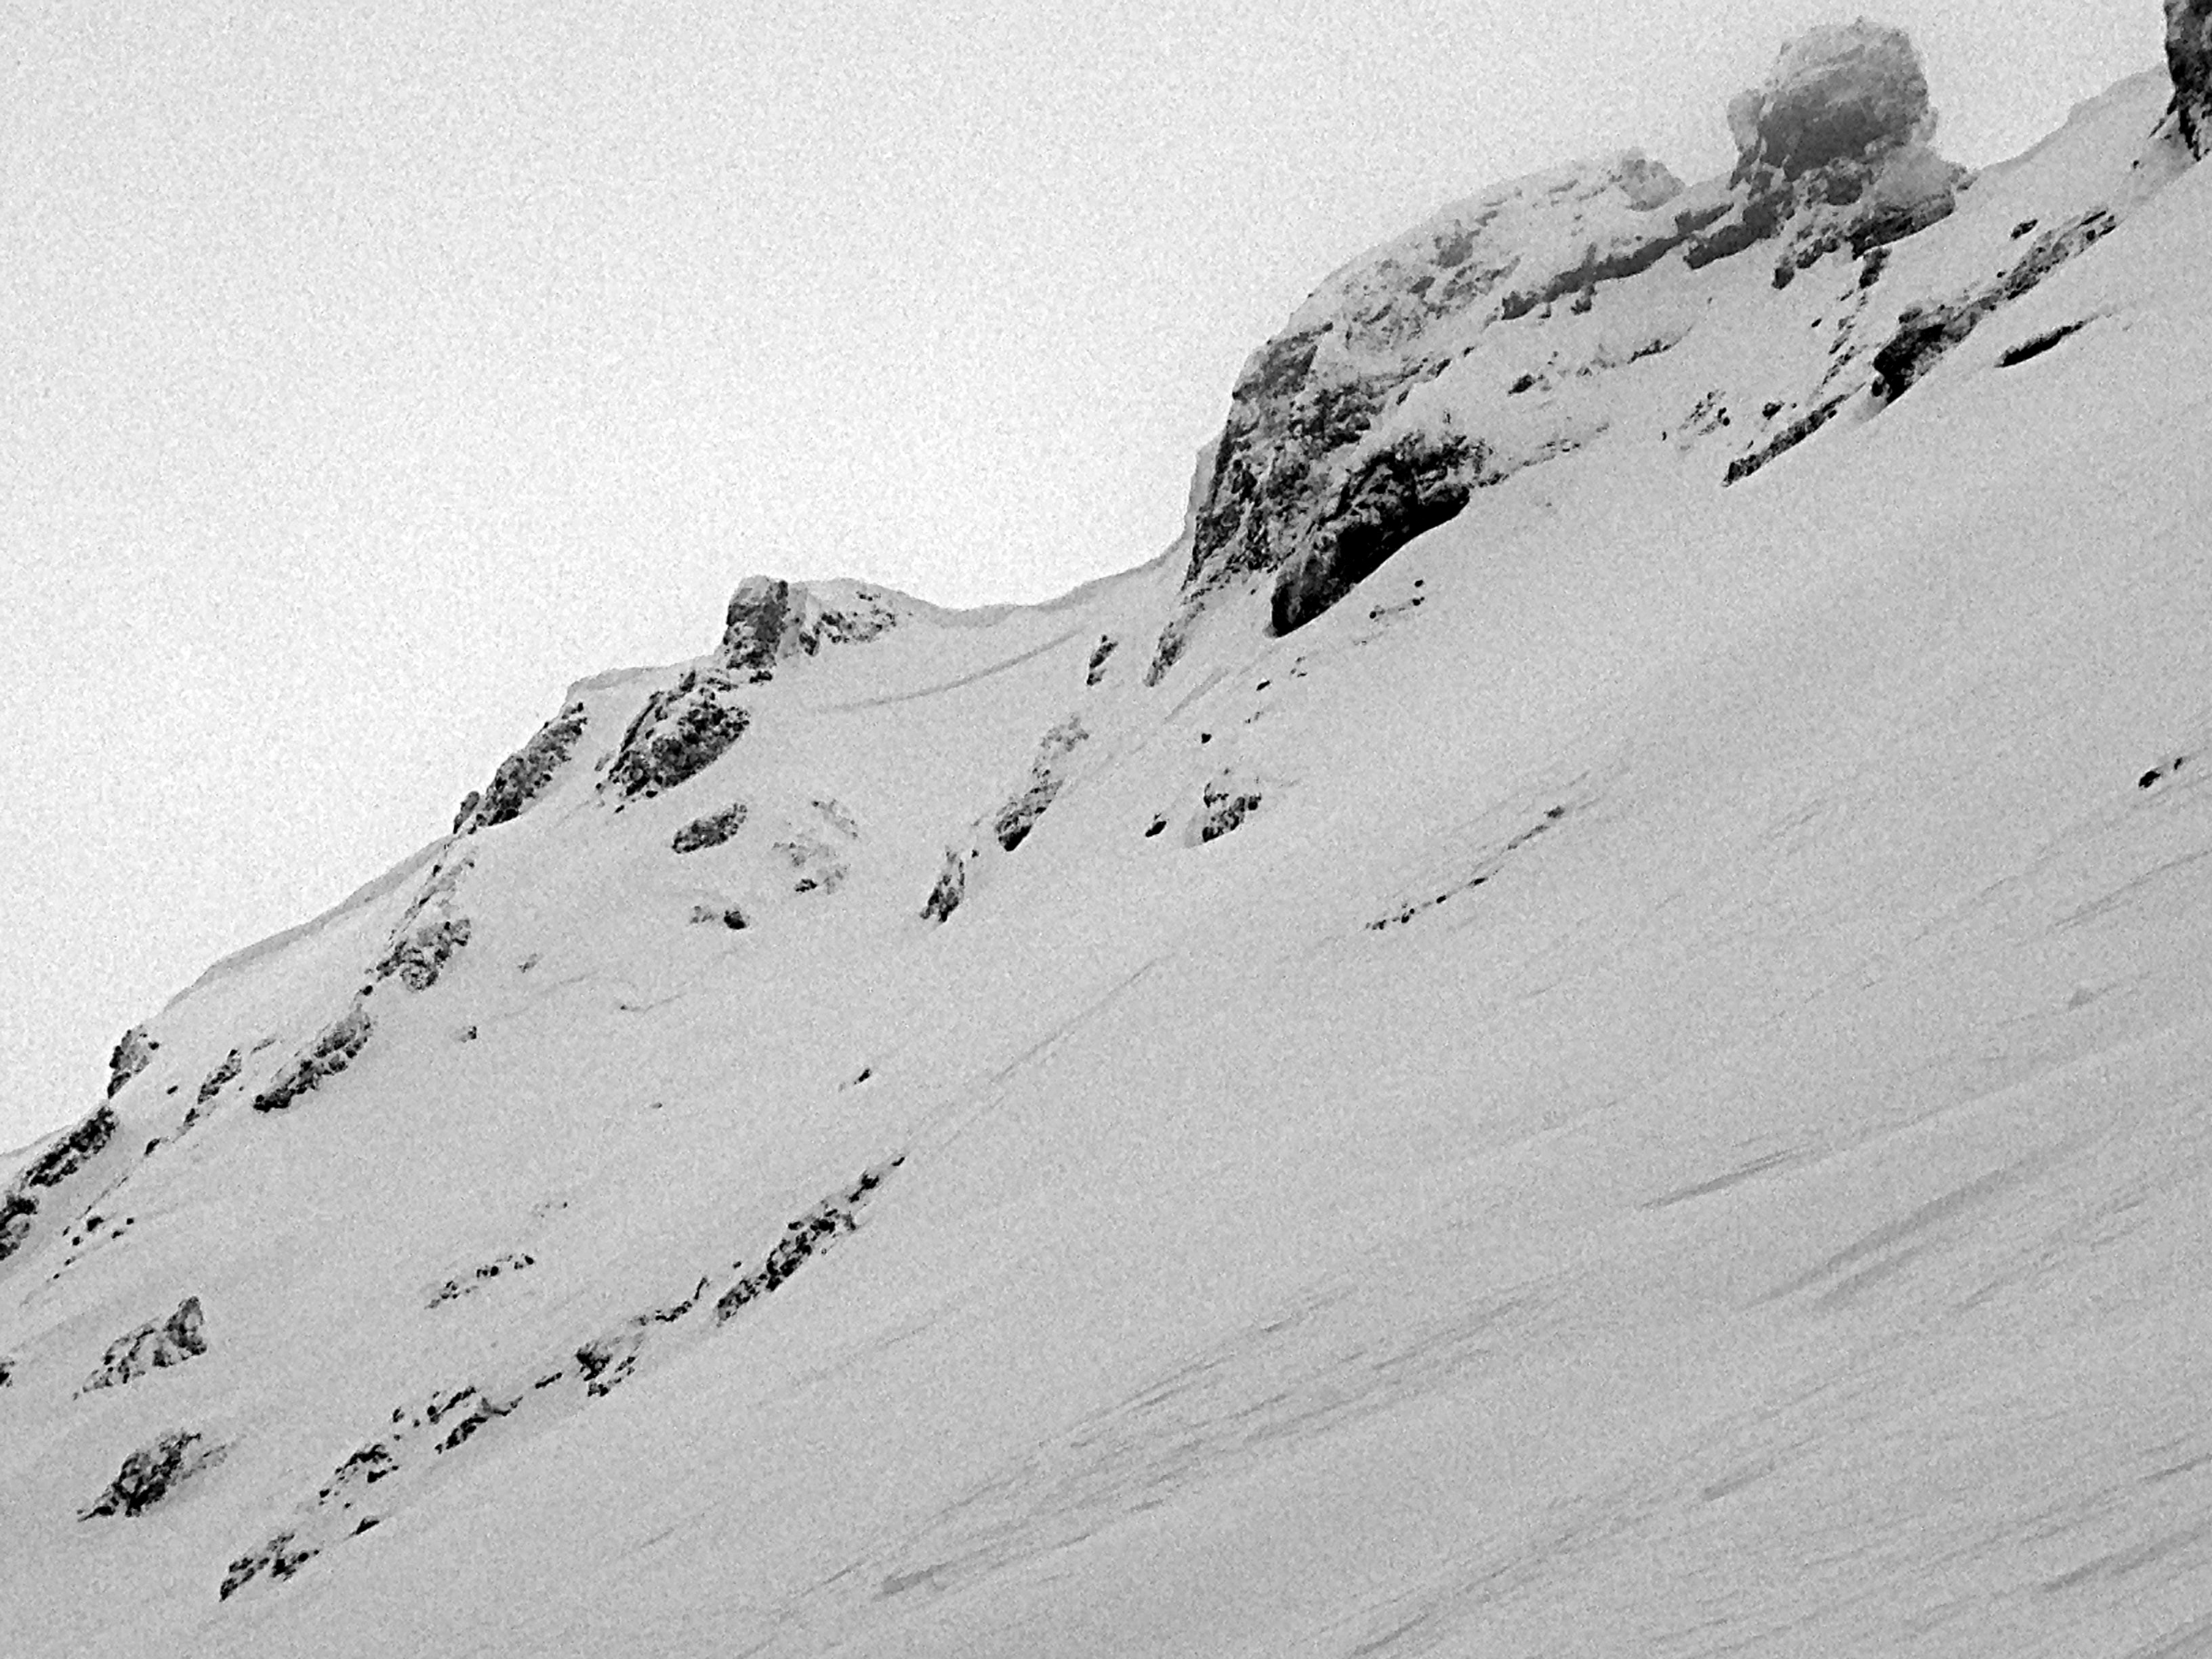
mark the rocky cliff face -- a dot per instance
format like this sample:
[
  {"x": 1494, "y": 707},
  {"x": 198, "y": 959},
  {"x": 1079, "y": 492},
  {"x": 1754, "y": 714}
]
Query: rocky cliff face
[
  {"x": 2189, "y": 60},
  {"x": 1360, "y": 426}
]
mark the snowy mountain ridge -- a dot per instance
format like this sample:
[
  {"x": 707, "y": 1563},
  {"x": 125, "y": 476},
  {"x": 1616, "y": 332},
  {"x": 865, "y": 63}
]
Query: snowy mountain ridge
[{"x": 1578, "y": 1024}]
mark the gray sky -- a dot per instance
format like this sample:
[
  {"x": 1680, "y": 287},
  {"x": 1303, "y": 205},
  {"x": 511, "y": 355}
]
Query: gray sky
[{"x": 373, "y": 372}]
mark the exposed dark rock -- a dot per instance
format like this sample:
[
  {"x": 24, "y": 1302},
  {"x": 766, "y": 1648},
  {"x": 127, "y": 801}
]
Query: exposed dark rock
[
  {"x": 728, "y": 914},
  {"x": 155, "y": 1346},
  {"x": 1227, "y": 805},
  {"x": 754, "y": 627},
  {"x": 280, "y": 1558},
  {"x": 1926, "y": 332},
  {"x": 1392, "y": 495},
  {"x": 419, "y": 954},
  {"x": 822, "y": 868},
  {"x": 132, "y": 1054},
  {"x": 7, "y": 1371},
  {"x": 485, "y": 1272},
  {"x": 482, "y": 1411},
  {"x": 606, "y": 1361},
  {"x": 72, "y": 1151},
  {"x": 55, "y": 1165},
  {"x": 1305, "y": 401},
  {"x": 153, "y": 1472},
  {"x": 367, "y": 1467},
  {"x": 213, "y": 1084},
  {"x": 828, "y": 1220},
  {"x": 523, "y": 776},
  {"x": 678, "y": 734},
  {"x": 1784, "y": 441},
  {"x": 951, "y": 887},
  {"x": 710, "y": 831},
  {"x": 771, "y": 619},
  {"x": 1013, "y": 823},
  {"x": 2036, "y": 346},
  {"x": 2189, "y": 60},
  {"x": 1838, "y": 93},
  {"x": 329, "y": 1054},
  {"x": 1096, "y": 670}
]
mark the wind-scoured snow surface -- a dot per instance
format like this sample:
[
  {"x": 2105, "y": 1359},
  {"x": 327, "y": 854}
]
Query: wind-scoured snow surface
[{"x": 1639, "y": 1085}]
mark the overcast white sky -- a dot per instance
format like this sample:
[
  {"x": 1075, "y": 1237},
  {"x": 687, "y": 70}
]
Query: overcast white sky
[{"x": 372, "y": 372}]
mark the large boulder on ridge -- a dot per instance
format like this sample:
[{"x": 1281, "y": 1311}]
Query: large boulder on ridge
[{"x": 1839, "y": 92}]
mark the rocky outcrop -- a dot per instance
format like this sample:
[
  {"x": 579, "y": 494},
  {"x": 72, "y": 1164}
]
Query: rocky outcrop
[
  {"x": 1389, "y": 497},
  {"x": 1833, "y": 151},
  {"x": 606, "y": 1361},
  {"x": 1274, "y": 488},
  {"x": 55, "y": 1165},
  {"x": 2189, "y": 60},
  {"x": 1095, "y": 671},
  {"x": 132, "y": 1055},
  {"x": 771, "y": 619},
  {"x": 820, "y": 865},
  {"x": 153, "y": 1472},
  {"x": 829, "y": 1219},
  {"x": 280, "y": 1558},
  {"x": 155, "y": 1346},
  {"x": 213, "y": 1084},
  {"x": 523, "y": 776},
  {"x": 679, "y": 733},
  {"x": 1011, "y": 824},
  {"x": 729, "y": 915},
  {"x": 1924, "y": 333},
  {"x": 950, "y": 888},
  {"x": 711, "y": 830},
  {"x": 453, "y": 1289},
  {"x": 419, "y": 954},
  {"x": 330, "y": 1054},
  {"x": 1839, "y": 92},
  {"x": 1227, "y": 803},
  {"x": 1336, "y": 453},
  {"x": 1008, "y": 827}
]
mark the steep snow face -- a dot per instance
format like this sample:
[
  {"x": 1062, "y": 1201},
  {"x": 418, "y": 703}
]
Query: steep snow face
[{"x": 1636, "y": 1087}]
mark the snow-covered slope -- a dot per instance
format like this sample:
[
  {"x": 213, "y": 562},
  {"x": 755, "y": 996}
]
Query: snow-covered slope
[{"x": 1628, "y": 1079}]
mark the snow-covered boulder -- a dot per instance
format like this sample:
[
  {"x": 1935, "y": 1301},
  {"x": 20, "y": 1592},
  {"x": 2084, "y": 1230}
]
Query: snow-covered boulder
[{"x": 2189, "y": 59}]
